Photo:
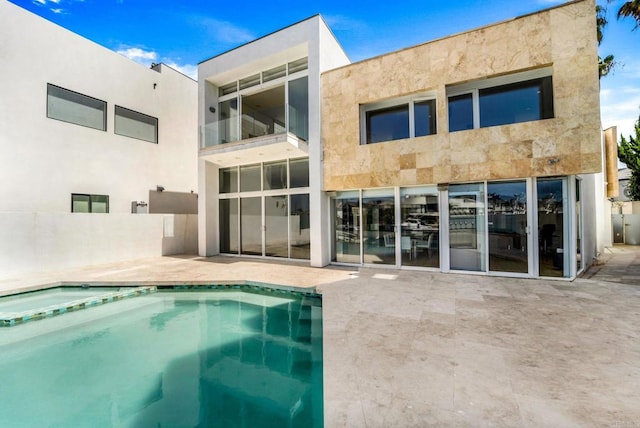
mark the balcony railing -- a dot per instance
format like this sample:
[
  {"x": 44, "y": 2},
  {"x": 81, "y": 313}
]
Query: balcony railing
[{"x": 255, "y": 123}]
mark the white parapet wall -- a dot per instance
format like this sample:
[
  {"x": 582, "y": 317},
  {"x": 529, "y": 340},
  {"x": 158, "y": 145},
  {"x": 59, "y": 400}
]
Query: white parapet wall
[{"x": 37, "y": 242}]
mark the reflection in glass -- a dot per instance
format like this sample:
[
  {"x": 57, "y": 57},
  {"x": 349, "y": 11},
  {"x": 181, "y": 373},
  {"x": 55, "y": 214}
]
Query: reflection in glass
[
  {"x": 425, "y": 117},
  {"x": 228, "y": 121},
  {"x": 466, "y": 227},
  {"x": 251, "y": 226},
  {"x": 276, "y": 234},
  {"x": 460, "y": 112},
  {"x": 507, "y": 218},
  {"x": 347, "y": 227},
  {"x": 551, "y": 227},
  {"x": 378, "y": 221},
  {"x": 250, "y": 178},
  {"x": 228, "y": 180},
  {"x": 299, "y": 172},
  {"x": 229, "y": 225},
  {"x": 516, "y": 102},
  {"x": 420, "y": 227},
  {"x": 300, "y": 227},
  {"x": 299, "y": 108},
  {"x": 275, "y": 175},
  {"x": 388, "y": 124}
]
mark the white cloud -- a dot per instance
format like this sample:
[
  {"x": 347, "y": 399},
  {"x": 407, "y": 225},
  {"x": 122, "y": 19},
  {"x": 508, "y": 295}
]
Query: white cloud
[
  {"x": 147, "y": 57},
  {"x": 57, "y": 11},
  {"x": 186, "y": 69},
  {"x": 226, "y": 32},
  {"x": 139, "y": 55}
]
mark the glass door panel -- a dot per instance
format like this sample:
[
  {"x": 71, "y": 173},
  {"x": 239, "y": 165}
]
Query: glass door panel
[
  {"x": 300, "y": 227},
  {"x": 276, "y": 226},
  {"x": 507, "y": 219},
  {"x": 420, "y": 227},
  {"x": 251, "y": 226},
  {"x": 551, "y": 227},
  {"x": 578, "y": 227},
  {"x": 378, "y": 224},
  {"x": 467, "y": 227},
  {"x": 229, "y": 226},
  {"x": 347, "y": 227}
]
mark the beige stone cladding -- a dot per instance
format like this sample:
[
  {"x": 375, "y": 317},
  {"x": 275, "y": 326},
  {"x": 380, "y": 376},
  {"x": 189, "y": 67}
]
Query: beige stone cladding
[{"x": 563, "y": 38}]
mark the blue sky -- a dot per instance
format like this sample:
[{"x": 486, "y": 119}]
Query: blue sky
[{"x": 183, "y": 33}]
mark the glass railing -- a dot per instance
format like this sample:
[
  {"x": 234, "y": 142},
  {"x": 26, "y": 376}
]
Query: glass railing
[{"x": 255, "y": 123}]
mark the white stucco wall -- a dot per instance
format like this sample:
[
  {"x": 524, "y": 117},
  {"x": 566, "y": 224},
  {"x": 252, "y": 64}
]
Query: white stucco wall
[
  {"x": 43, "y": 161},
  {"x": 36, "y": 242},
  {"x": 46, "y": 160}
]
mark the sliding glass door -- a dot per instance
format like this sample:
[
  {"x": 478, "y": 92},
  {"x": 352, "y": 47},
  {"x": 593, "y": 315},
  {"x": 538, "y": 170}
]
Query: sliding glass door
[
  {"x": 551, "y": 227},
  {"x": 508, "y": 225},
  {"x": 378, "y": 226},
  {"x": 467, "y": 227}
]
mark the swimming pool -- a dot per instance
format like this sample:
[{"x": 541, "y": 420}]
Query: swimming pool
[{"x": 173, "y": 358}]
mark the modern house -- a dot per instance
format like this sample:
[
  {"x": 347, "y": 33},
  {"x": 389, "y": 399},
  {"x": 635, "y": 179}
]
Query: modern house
[
  {"x": 478, "y": 152},
  {"x": 260, "y": 160},
  {"x": 87, "y": 137}
]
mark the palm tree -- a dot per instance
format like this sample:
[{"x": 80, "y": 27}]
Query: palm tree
[
  {"x": 630, "y": 9},
  {"x": 606, "y": 64}
]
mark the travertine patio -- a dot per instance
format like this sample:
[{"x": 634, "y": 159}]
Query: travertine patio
[{"x": 407, "y": 348}]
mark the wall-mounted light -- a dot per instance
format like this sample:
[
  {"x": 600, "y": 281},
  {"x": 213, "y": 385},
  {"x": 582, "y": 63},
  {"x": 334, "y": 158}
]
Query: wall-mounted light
[
  {"x": 212, "y": 109},
  {"x": 159, "y": 188}
]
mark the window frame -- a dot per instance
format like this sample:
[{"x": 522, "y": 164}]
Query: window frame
[
  {"x": 115, "y": 122},
  {"x": 410, "y": 101},
  {"x": 90, "y": 196},
  {"x": 104, "y": 110},
  {"x": 511, "y": 79}
]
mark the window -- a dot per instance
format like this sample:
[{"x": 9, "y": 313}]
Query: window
[
  {"x": 517, "y": 102},
  {"x": 136, "y": 125},
  {"x": 72, "y": 107},
  {"x": 228, "y": 180},
  {"x": 412, "y": 118},
  {"x": 460, "y": 112},
  {"x": 81, "y": 203},
  {"x": 299, "y": 172},
  {"x": 520, "y": 97},
  {"x": 388, "y": 124}
]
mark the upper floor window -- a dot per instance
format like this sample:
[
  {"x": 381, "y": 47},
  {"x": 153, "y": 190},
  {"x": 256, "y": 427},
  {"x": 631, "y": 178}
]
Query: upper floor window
[
  {"x": 136, "y": 125},
  {"x": 284, "y": 174},
  {"x": 82, "y": 203},
  {"x": 520, "y": 97},
  {"x": 398, "y": 120},
  {"x": 73, "y": 107}
]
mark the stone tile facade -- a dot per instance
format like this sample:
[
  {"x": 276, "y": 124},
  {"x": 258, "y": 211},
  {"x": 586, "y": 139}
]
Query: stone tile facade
[{"x": 570, "y": 143}]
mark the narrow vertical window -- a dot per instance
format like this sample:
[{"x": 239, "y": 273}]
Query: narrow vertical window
[{"x": 460, "y": 112}]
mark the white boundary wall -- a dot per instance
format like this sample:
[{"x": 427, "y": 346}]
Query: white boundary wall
[{"x": 35, "y": 242}]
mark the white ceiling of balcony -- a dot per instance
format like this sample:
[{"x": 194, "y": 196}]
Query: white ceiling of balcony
[{"x": 260, "y": 149}]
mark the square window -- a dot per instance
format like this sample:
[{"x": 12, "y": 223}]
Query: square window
[{"x": 387, "y": 124}]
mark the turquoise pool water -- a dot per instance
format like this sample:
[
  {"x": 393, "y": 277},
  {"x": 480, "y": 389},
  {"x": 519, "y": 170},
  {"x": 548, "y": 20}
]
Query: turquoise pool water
[{"x": 169, "y": 359}]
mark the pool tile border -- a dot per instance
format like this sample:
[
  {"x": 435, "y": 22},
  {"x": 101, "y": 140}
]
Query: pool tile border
[{"x": 9, "y": 319}]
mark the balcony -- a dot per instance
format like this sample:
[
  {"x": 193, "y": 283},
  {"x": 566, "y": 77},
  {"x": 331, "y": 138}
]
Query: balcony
[
  {"x": 261, "y": 135},
  {"x": 256, "y": 123}
]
